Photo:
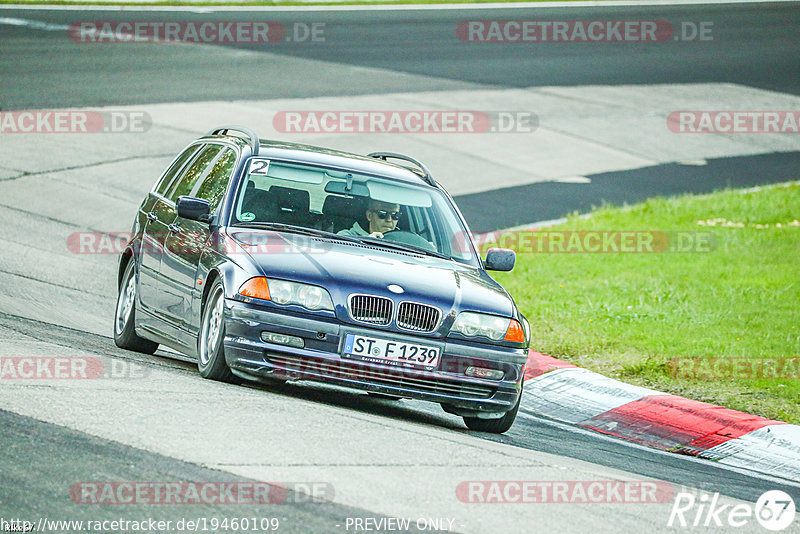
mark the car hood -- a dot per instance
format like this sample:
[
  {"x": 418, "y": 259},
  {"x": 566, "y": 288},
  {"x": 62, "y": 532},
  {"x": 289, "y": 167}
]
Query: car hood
[{"x": 345, "y": 268}]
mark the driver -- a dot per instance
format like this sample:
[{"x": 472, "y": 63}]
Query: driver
[{"x": 382, "y": 217}]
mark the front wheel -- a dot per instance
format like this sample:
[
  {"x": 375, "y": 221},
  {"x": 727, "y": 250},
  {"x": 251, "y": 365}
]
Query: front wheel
[
  {"x": 125, "y": 316},
  {"x": 495, "y": 426},
  {"x": 210, "y": 347}
]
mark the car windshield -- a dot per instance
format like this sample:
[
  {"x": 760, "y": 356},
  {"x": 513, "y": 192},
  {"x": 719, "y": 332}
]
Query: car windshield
[{"x": 401, "y": 215}]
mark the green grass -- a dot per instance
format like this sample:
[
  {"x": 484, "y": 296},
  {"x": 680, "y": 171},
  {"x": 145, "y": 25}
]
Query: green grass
[{"x": 627, "y": 315}]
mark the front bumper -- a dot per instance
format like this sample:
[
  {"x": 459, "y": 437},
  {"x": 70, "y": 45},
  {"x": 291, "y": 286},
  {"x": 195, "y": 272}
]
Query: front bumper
[{"x": 320, "y": 359}]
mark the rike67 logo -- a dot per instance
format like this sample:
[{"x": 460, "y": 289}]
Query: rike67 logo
[{"x": 774, "y": 510}]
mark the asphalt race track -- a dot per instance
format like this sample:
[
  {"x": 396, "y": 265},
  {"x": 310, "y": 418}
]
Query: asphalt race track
[
  {"x": 341, "y": 455},
  {"x": 752, "y": 44}
]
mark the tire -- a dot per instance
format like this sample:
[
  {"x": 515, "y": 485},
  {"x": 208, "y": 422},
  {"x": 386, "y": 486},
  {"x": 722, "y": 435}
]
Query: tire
[
  {"x": 125, "y": 316},
  {"x": 210, "y": 347},
  {"x": 494, "y": 426}
]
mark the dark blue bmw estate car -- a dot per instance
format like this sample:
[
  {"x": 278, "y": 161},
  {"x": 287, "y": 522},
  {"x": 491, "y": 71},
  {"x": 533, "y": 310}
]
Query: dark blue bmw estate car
[{"x": 271, "y": 261}]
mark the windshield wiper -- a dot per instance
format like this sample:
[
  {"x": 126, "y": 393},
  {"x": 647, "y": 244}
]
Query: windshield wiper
[
  {"x": 294, "y": 229},
  {"x": 404, "y": 246}
]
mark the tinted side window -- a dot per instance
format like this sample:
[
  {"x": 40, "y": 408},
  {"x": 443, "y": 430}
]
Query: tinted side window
[
  {"x": 166, "y": 180},
  {"x": 195, "y": 172},
  {"x": 216, "y": 182}
]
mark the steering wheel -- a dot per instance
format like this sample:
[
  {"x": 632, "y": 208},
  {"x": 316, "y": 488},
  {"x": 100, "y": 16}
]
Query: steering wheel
[{"x": 409, "y": 238}]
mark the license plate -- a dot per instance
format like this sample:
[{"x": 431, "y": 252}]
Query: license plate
[{"x": 377, "y": 350}]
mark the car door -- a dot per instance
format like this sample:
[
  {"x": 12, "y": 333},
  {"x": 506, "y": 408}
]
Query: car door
[
  {"x": 186, "y": 239},
  {"x": 157, "y": 216}
]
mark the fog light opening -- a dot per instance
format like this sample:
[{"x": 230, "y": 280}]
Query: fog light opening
[
  {"x": 283, "y": 339},
  {"x": 484, "y": 372}
]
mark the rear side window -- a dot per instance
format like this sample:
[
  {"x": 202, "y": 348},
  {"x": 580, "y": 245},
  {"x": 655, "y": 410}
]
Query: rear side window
[
  {"x": 176, "y": 166},
  {"x": 213, "y": 187},
  {"x": 197, "y": 170}
]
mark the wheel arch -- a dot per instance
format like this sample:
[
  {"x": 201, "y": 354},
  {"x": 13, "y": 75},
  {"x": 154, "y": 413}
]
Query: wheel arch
[
  {"x": 231, "y": 275},
  {"x": 213, "y": 274},
  {"x": 124, "y": 260}
]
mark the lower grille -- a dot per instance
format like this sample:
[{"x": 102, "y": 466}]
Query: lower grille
[{"x": 407, "y": 379}]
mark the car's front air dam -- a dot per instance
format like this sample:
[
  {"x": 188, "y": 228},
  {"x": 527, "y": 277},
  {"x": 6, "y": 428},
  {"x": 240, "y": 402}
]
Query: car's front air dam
[{"x": 319, "y": 359}]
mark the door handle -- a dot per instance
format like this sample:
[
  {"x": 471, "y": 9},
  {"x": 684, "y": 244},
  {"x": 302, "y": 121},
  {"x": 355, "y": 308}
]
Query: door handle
[{"x": 152, "y": 217}]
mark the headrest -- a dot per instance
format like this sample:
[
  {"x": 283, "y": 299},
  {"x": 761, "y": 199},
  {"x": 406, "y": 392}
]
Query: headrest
[{"x": 291, "y": 199}]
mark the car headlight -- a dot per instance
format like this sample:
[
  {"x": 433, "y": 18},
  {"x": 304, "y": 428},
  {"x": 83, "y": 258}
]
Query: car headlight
[
  {"x": 496, "y": 328},
  {"x": 283, "y": 292}
]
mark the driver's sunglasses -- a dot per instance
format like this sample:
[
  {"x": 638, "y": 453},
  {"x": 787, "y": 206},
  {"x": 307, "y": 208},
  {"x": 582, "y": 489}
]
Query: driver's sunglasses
[{"x": 384, "y": 214}]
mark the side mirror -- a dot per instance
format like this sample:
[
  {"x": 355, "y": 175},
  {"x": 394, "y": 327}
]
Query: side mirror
[
  {"x": 194, "y": 209},
  {"x": 500, "y": 259}
]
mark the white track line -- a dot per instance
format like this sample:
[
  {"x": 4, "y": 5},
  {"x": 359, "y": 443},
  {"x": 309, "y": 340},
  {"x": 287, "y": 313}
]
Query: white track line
[{"x": 33, "y": 24}]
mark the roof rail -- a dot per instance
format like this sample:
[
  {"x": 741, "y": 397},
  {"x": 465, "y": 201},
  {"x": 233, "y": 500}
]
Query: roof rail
[
  {"x": 247, "y": 131},
  {"x": 426, "y": 175}
]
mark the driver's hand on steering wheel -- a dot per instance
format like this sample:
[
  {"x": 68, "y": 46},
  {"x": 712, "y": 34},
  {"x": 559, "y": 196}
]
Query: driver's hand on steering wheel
[{"x": 376, "y": 234}]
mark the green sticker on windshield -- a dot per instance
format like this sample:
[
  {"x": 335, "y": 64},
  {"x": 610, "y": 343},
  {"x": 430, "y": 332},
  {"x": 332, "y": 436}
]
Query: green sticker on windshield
[{"x": 247, "y": 216}]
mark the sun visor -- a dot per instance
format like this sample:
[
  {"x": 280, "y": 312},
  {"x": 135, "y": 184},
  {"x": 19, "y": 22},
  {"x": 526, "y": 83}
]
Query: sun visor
[
  {"x": 296, "y": 173},
  {"x": 395, "y": 194}
]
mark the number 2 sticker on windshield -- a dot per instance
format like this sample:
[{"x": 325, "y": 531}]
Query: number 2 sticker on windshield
[{"x": 259, "y": 166}]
